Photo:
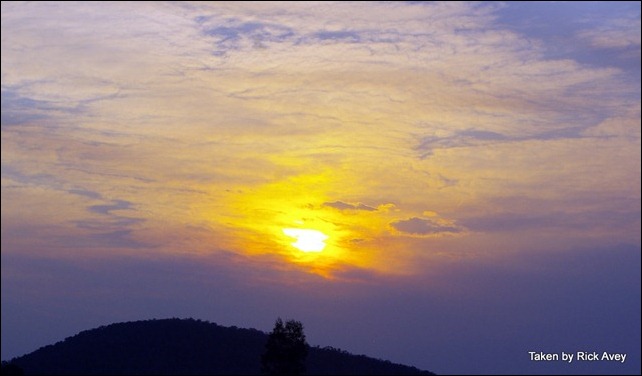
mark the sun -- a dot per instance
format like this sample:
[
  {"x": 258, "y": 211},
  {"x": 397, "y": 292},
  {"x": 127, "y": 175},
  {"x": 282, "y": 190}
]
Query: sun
[{"x": 307, "y": 240}]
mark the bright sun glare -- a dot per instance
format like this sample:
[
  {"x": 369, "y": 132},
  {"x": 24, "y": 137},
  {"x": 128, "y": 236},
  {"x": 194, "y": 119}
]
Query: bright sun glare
[{"x": 307, "y": 240}]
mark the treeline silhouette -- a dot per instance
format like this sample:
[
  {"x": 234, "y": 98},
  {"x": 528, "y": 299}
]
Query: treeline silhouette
[
  {"x": 286, "y": 349},
  {"x": 183, "y": 347}
]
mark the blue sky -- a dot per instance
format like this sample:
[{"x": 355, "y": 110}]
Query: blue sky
[{"x": 474, "y": 166}]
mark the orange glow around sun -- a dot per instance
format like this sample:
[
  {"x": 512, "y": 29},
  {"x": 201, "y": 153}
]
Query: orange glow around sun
[{"x": 288, "y": 218}]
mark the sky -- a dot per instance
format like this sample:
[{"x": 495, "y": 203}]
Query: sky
[{"x": 471, "y": 171}]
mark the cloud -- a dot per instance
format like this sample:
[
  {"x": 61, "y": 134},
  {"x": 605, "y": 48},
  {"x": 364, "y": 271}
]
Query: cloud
[
  {"x": 424, "y": 226},
  {"x": 340, "y": 205},
  {"x": 617, "y": 34},
  {"x": 86, "y": 193},
  {"x": 117, "y": 239},
  {"x": 120, "y": 224},
  {"x": 234, "y": 33},
  {"x": 349, "y": 36},
  {"x": 107, "y": 209},
  {"x": 594, "y": 221},
  {"x": 173, "y": 108},
  {"x": 107, "y": 229},
  {"x": 17, "y": 110}
]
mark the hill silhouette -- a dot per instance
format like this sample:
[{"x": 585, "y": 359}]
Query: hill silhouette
[{"x": 184, "y": 346}]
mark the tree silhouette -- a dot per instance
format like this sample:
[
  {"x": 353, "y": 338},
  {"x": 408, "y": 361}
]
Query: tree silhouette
[{"x": 285, "y": 350}]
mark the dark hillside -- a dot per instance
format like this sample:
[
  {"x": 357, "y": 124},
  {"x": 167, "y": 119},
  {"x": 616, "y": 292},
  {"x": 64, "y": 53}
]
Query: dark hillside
[{"x": 175, "y": 346}]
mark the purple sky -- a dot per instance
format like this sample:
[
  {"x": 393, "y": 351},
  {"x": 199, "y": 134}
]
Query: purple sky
[{"x": 475, "y": 168}]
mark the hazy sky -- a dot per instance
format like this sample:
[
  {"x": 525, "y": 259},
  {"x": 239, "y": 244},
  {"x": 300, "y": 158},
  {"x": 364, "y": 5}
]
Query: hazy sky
[{"x": 475, "y": 167}]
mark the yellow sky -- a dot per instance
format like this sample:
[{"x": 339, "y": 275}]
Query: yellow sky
[{"x": 412, "y": 134}]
